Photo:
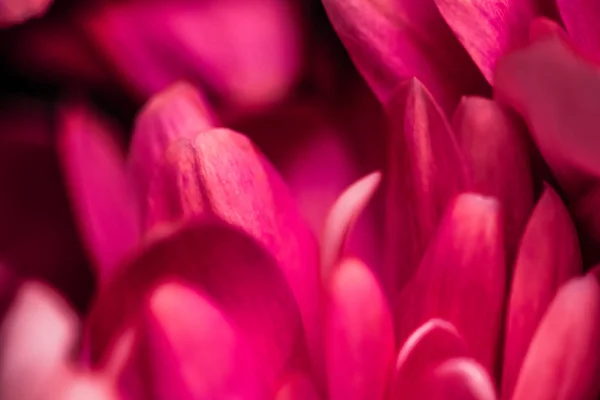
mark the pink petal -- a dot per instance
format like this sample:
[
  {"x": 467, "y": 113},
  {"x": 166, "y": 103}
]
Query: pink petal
[
  {"x": 178, "y": 112},
  {"x": 233, "y": 269},
  {"x": 426, "y": 171},
  {"x": 488, "y": 29},
  {"x": 99, "y": 189},
  {"x": 17, "y": 11},
  {"x": 549, "y": 256},
  {"x": 297, "y": 387},
  {"x": 461, "y": 278},
  {"x": 556, "y": 92},
  {"x": 542, "y": 27},
  {"x": 581, "y": 20},
  {"x": 393, "y": 41},
  {"x": 429, "y": 345},
  {"x": 222, "y": 174},
  {"x": 193, "y": 350},
  {"x": 359, "y": 338},
  {"x": 341, "y": 218},
  {"x": 36, "y": 339},
  {"x": 74, "y": 385},
  {"x": 493, "y": 141},
  {"x": 562, "y": 361}
]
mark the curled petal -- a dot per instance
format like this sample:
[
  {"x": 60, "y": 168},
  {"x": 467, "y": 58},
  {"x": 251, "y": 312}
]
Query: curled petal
[
  {"x": 341, "y": 218},
  {"x": 297, "y": 387},
  {"x": 562, "y": 361},
  {"x": 461, "y": 278},
  {"x": 429, "y": 345},
  {"x": 359, "y": 338},
  {"x": 243, "y": 280},
  {"x": 581, "y": 20},
  {"x": 493, "y": 141},
  {"x": 549, "y": 256},
  {"x": 426, "y": 171}
]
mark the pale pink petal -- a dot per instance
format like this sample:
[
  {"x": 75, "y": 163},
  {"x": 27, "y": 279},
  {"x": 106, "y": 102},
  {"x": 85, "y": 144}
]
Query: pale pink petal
[
  {"x": 562, "y": 361},
  {"x": 297, "y": 387},
  {"x": 390, "y": 41},
  {"x": 178, "y": 112},
  {"x": 223, "y": 174},
  {"x": 94, "y": 168},
  {"x": 461, "y": 278},
  {"x": 359, "y": 337},
  {"x": 581, "y": 20},
  {"x": 488, "y": 29},
  {"x": 549, "y": 256},
  {"x": 432, "y": 343},
  {"x": 341, "y": 218},
  {"x": 494, "y": 143},
  {"x": 75, "y": 385},
  {"x": 426, "y": 171},
  {"x": 36, "y": 339},
  {"x": 234, "y": 270},
  {"x": 17, "y": 11}
]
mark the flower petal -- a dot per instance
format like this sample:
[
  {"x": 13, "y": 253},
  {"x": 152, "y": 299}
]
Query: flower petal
[
  {"x": 18, "y": 11},
  {"x": 581, "y": 19},
  {"x": 426, "y": 171},
  {"x": 489, "y": 28},
  {"x": 230, "y": 267},
  {"x": 549, "y": 256},
  {"x": 493, "y": 141},
  {"x": 432, "y": 343},
  {"x": 562, "y": 361},
  {"x": 393, "y": 41},
  {"x": 222, "y": 174},
  {"x": 461, "y": 278},
  {"x": 99, "y": 189},
  {"x": 297, "y": 387},
  {"x": 359, "y": 336},
  {"x": 341, "y": 218}
]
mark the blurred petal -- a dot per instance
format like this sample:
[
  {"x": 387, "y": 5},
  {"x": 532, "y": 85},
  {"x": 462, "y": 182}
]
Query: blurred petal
[
  {"x": 488, "y": 29},
  {"x": 175, "y": 113},
  {"x": 36, "y": 339},
  {"x": 341, "y": 218},
  {"x": 359, "y": 336},
  {"x": 493, "y": 141},
  {"x": 426, "y": 171},
  {"x": 392, "y": 41},
  {"x": 74, "y": 385},
  {"x": 461, "y": 278},
  {"x": 543, "y": 27},
  {"x": 100, "y": 192},
  {"x": 548, "y": 257},
  {"x": 581, "y": 19},
  {"x": 562, "y": 361},
  {"x": 223, "y": 174},
  {"x": 244, "y": 281},
  {"x": 297, "y": 387},
  {"x": 432, "y": 343},
  {"x": 17, "y": 11}
]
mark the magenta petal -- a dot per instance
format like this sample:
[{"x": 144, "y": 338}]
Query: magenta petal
[
  {"x": 489, "y": 28},
  {"x": 581, "y": 19},
  {"x": 297, "y": 387},
  {"x": 177, "y": 112},
  {"x": 341, "y": 218},
  {"x": 461, "y": 278},
  {"x": 549, "y": 256},
  {"x": 80, "y": 387},
  {"x": 99, "y": 188},
  {"x": 562, "y": 361},
  {"x": 359, "y": 336},
  {"x": 432, "y": 343},
  {"x": 426, "y": 171},
  {"x": 224, "y": 175},
  {"x": 230, "y": 267},
  {"x": 493, "y": 141},
  {"x": 17, "y": 11}
]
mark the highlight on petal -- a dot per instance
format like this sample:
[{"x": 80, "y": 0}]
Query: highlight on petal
[
  {"x": 341, "y": 218},
  {"x": 100, "y": 192},
  {"x": 177, "y": 112},
  {"x": 74, "y": 385},
  {"x": 461, "y": 278},
  {"x": 581, "y": 20},
  {"x": 17, "y": 11},
  {"x": 562, "y": 361},
  {"x": 426, "y": 171},
  {"x": 488, "y": 29},
  {"x": 359, "y": 336},
  {"x": 297, "y": 387},
  {"x": 548, "y": 257},
  {"x": 429, "y": 345},
  {"x": 493, "y": 142},
  {"x": 390, "y": 41},
  {"x": 222, "y": 174},
  {"x": 36, "y": 339},
  {"x": 235, "y": 271}
]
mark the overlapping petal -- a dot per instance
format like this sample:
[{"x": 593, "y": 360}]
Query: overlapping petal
[{"x": 581, "y": 20}]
